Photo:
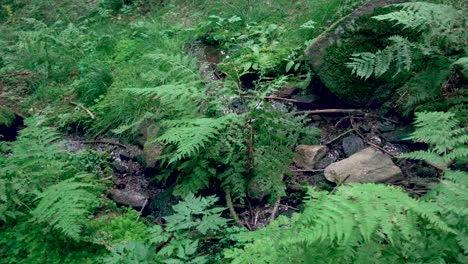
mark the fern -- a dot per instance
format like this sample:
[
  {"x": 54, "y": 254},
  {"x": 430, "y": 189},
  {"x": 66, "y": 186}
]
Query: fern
[
  {"x": 65, "y": 205},
  {"x": 432, "y": 56},
  {"x": 36, "y": 162},
  {"x": 399, "y": 53},
  {"x": 360, "y": 223},
  {"x": 441, "y": 131},
  {"x": 190, "y": 136}
]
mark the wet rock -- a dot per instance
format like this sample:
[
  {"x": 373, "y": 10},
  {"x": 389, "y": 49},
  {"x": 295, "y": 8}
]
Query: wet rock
[
  {"x": 307, "y": 156},
  {"x": 119, "y": 165},
  {"x": 352, "y": 144},
  {"x": 398, "y": 135},
  {"x": 129, "y": 197},
  {"x": 304, "y": 102},
  {"x": 331, "y": 157},
  {"x": 368, "y": 165}
]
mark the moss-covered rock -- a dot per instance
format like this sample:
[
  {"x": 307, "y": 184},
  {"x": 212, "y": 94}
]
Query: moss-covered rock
[{"x": 366, "y": 35}]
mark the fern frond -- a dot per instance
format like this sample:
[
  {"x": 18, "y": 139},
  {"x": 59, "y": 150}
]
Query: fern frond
[
  {"x": 364, "y": 211},
  {"x": 190, "y": 136},
  {"x": 64, "y": 206},
  {"x": 420, "y": 15},
  {"x": 447, "y": 141},
  {"x": 398, "y": 53},
  {"x": 463, "y": 64}
]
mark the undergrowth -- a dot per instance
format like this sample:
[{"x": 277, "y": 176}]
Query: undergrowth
[{"x": 123, "y": 69}]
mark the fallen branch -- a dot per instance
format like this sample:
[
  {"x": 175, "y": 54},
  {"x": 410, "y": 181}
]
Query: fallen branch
[
  {"x": 142, "y": 208},
  {"x": 275, "y": 209},
  {"x": 289, "y": 207},
  {"x": 280, "y": 98},
  {"x": 102, "y": 142},
  {"x": 339, "y": 136},
  {"x": 84, "y": 108},
  {"x": 26, "y": 73},
  {"x": 105, "y": 179},
  {"x": 331, "y": 111}
]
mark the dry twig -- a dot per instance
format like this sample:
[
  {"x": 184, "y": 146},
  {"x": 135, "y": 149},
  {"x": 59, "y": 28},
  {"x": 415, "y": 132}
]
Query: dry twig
[{"x": 275, "y": 209}]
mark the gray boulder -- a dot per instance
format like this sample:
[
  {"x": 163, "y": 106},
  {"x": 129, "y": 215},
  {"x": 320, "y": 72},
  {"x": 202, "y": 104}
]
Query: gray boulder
[
  {"x": 307, "y": 156},
  {"x": 368, "y": 165},
  {"x": 129, "y": 197}
]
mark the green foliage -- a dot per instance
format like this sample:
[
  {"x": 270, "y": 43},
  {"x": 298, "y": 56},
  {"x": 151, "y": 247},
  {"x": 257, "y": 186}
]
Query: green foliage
[
  {"x": 92, "y": 85},
  {"x": 192, "y": 135},
  {"x": 6, "y": 116},
  {"x": 71, "y": 195},
  {"x": 367, "y": 37},
  {"x": 182, "y": 240},
  {"x": 44, "y": 200},
  {"x": 446, "y": 139},
  {"x": 111, "y": 230},
  {"x": 363, "y": 223},
  {"x": 431, "y": 56},
  {"x": 369, "y": 223}
]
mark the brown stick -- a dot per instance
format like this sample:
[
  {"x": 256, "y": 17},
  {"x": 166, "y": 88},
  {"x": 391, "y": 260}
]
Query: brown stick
[
  {"x": 141, "y": 211},
  {"x": 84, "y": 108},
  {"x": 103, "y": 142},
  {"x": 331, "y": 111},
  {"x": 275, "y": 209},
  {"x": 104, "y": 179},
  {"x": 250, "y": 149},
  {"x": 280, "y": 98},
  {"x": 338, "y": 137},
  {"x": 15, "y": 74}
]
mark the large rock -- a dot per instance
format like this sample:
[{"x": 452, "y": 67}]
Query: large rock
[
  {"x": 129, "y": 197},
  {"x": 307, "y": 156},
  {"x": 318, "y": 49},
  {"x": 368, "y": 165}
]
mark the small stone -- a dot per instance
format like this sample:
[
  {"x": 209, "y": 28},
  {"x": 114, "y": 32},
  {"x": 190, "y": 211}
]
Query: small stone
[
  {"x": 331, "y": 157},
  {"x": 352, "y": 144},
  {"x": 307, "y": 156},
  {"x": 151, "y": 154},
  {"x": 368, "y": 165}
]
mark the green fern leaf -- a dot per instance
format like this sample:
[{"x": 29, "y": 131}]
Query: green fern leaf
[{"x": 64, "y": 206}]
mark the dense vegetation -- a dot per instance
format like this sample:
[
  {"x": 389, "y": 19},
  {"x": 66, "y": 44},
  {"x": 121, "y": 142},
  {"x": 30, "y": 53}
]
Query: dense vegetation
[{"x": 129, "y": 70}]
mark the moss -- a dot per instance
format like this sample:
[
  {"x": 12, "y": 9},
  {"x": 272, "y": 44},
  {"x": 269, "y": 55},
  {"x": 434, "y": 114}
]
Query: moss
[{"x": 369, "y": 35}]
